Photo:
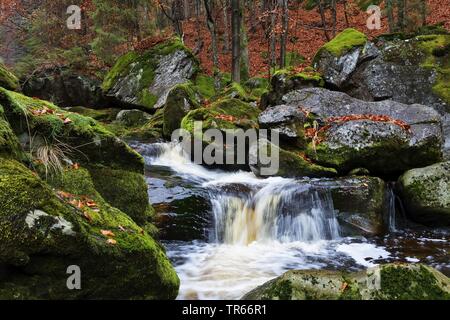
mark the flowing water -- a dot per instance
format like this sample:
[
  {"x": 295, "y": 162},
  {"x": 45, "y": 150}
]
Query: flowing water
[{"x": 227, "y": 233}]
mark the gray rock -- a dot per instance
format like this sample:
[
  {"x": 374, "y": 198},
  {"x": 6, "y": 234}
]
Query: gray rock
[
  {"x": 418, "y": 282},
  {"x": 143, "y": 80},
  {"x": 426, "y": 194},
  {"x": 133, "y": 118},
  {"x": 287, "y": 120},
  {"x": 65, "y": 88},
  {"x": 381, "y": 147}
]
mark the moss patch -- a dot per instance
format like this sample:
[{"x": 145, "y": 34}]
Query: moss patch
[
  {"x": 343, "y": 42},
  {"x": 42, "y": 234},
  {"x": 7, "y": 79}
]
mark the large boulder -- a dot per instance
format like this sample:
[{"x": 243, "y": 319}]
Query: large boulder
[
  {"x": 48, "y": 228},
  {"x": 181, "y": 99},
  {"x": 45, "y": 129},
  {"x": 385, "y": 137},
  {"x": 143, "y": 79},
  {"x": 415, "y": 70},
  {"x": 7, "y": 79},
  {"x": 384, "y": 282},
  {"x": 426, "y": 194},
  {"x": 65, "y": 88}
]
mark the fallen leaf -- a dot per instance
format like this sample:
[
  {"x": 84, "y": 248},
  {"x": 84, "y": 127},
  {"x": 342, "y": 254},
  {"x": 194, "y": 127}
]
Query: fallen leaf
[
  {"x": 111, "y": 241},
  {"x": 344, "y": 286},
  {"x": 107, "y": 233},
  {"x": 67, "y": 120}
]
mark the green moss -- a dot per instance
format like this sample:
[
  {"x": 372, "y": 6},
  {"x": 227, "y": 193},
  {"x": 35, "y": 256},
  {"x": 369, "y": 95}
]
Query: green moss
[
  {"x": 88, "y": 140},
  {"x": 143, "y": 65},
  {"x": 205, "y": 86},
  {"x": 180, "y": 100},
  {"x": 343, "y": 42},
  {"x": 437, "y": 56},
  {"x": 244, "y": 116},
  {"x": 7, "y": 79},
  {"x": 292, "y": 164},
  {"x": 119, "y": 69},
  {"x": 101, "y": 115},
  {"x": 9, "y": 144},
  {"x": 136, "y": 265},
  {"x": 410, "y": 283},
  {"x": 124, "y": 190}
]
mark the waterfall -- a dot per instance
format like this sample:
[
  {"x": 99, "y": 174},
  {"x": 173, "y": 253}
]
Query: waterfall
[
  {"x": 285, "y": 212},
  {"x": 391, "y": 209},
  {"x": 272, "y": 209}
]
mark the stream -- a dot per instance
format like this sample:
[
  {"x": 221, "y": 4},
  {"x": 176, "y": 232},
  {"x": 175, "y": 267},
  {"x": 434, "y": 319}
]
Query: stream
[{"x": 229, "y": 232}]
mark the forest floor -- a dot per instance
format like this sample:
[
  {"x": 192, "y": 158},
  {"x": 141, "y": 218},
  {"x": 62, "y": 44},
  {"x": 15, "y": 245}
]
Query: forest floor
[{"x": 305, "y": 34}]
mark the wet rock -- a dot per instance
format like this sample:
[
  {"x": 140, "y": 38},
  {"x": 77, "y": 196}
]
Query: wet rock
[
  {"x": 384, "y": 282},
  {"x": 143, "y": 79},
  {"x": 362, "y": 203},
  {"x": 426, "y": 194},
  {"x": 383, "y": 147}
]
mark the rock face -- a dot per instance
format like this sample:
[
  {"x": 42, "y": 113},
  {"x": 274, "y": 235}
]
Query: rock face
[
  {"x": 385, "y": 282},
  {"x": 7, "y": 79},
  {"x": 63, "y": 87},
  {"x": 133, "y": 117},
  {"x": 143, "y": 80},
  {"x": 385, "y": 137},
  {"x": 288, "y": 121},
  {"x": 426, "y": 194},
  {"x": 362, "y": 203},
  {"x": 284, "y": 81},
  {"x": 411, "y": 71},
  {"x": 180, "y": 100},
  {"x": 42, "y": 234},
  {"x": 85, "y": 204}
]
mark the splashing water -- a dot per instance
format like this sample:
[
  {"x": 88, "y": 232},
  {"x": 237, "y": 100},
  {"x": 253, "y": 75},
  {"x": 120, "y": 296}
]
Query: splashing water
[{"x": 259, "y": 229}]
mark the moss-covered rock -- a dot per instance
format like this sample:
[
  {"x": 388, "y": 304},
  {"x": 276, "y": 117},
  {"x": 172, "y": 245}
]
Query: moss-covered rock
[
  {"x": 102, "y": 115},
  {"x": 286, "y": 80},
  {"x": 343, "y": 42},
  {"x": 83, "y": 138},
  {"x": 180, "y": 100},
  {"x": 426, "y": 194},
  {"x": 9, "y": 144},
  {"x": 43, "y": 233},
  {"x": 143, "y": 79},
  {"x": 289, "y": 164},
  {"x": 385, "y": 137},
  {"x": 124, "y": 190},
  {"x": 223, "y": 114},
  {"x": 385, "y": 282},
  {"x": 7, "y": 79}
]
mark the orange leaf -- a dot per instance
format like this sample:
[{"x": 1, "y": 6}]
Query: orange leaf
[
  {"x": 111, "y": 241},
  {"x": 107, "y": 233}
]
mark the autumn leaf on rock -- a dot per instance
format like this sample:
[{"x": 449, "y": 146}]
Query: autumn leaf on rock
[
  {"x": 111, "y": 241},
  {"x": 107, "y": 233}
]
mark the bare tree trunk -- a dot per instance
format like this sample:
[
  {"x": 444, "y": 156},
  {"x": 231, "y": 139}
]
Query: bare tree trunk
[
  {"x": 244, "y": 65},
  {"x": 273, "y": 40},
  {"x": 226, "y": 34},
  {"x": 212, "y": 30},
  {"x": 390, "y": 16},
  {"x": 235, "y": 40},
  {"x": 347, "y": 24},
  {"x": 284, "y": 33},
  {"x": 334, "y": 13},
  {"x": 322, "y": 17}
]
